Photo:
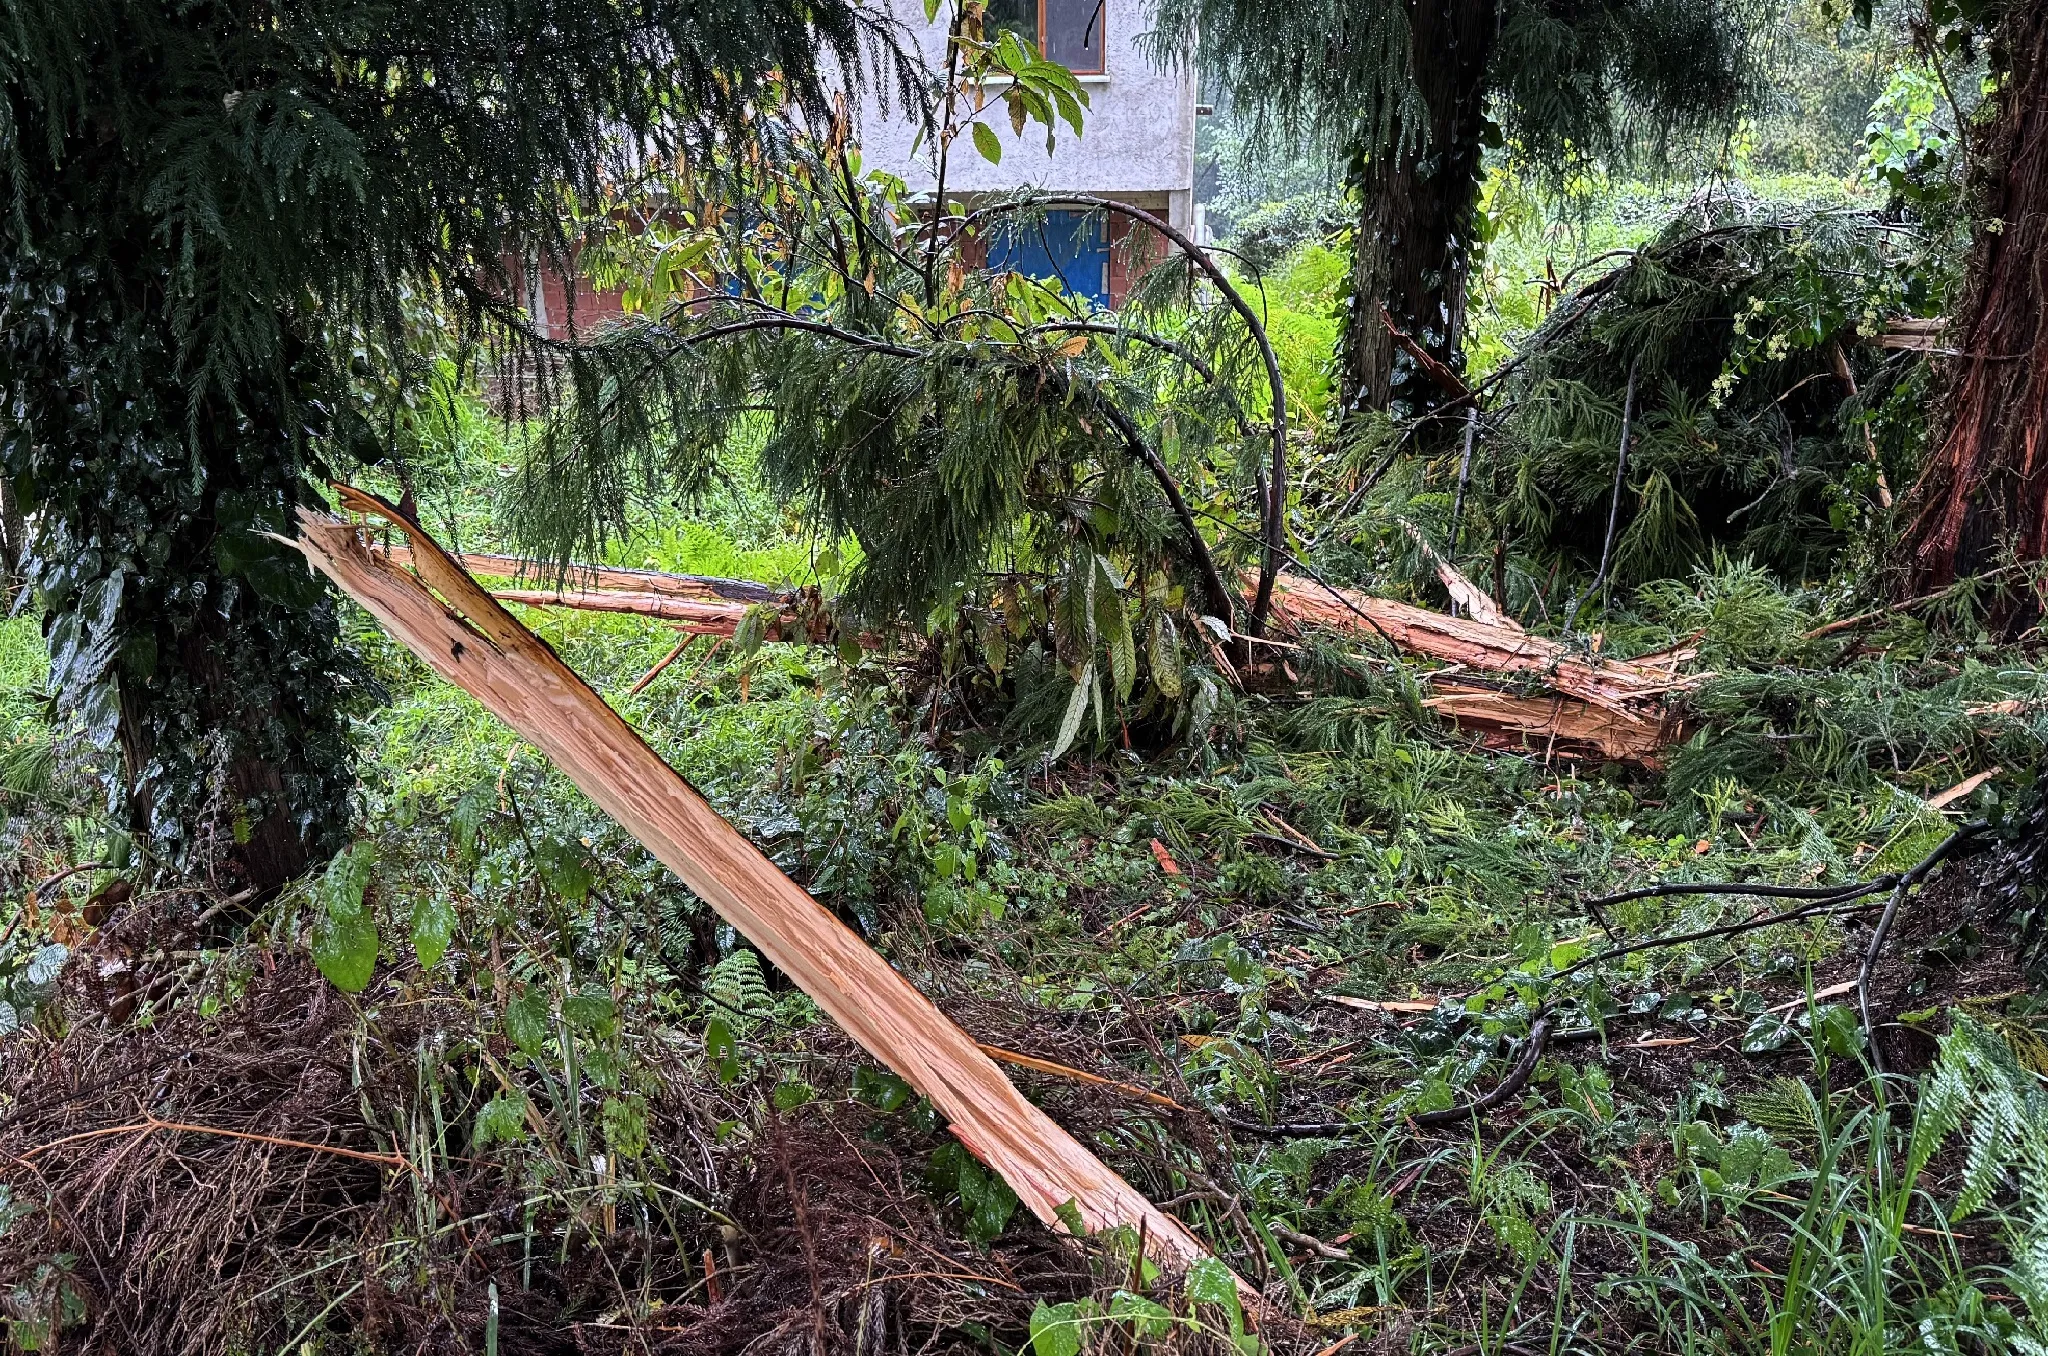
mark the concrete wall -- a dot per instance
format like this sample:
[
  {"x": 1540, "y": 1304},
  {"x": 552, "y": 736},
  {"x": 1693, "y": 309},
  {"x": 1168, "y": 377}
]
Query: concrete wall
[{"x": 1138, "y": 141}]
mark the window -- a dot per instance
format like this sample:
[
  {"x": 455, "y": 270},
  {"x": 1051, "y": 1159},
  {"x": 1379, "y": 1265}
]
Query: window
[{"x": 1071, "y": 32}]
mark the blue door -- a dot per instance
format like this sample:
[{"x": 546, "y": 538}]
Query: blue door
[{"x": 1064, "y": 247}]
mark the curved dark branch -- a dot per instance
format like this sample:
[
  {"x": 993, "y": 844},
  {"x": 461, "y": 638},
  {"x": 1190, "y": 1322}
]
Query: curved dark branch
[
  {"x": 1517, "y": 1079},
  {"x": 1197, "y": 547},
  {"x": 1948, "y": 847},
  {"x": 1202, "y": 367},
  {"x": 1274, "y": 510}
]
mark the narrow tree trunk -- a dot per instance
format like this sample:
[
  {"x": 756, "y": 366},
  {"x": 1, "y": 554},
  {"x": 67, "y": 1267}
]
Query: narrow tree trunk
[
  {"x": 13, "y": 544},
  {"x": 1412, "y": 250},
  {"x": 1984, "y": 491}
]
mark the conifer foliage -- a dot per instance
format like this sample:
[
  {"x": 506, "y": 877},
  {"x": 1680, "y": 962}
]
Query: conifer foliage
[
  {"x": 221, "y": 221},
  {"x": 1410, "y": 91}
]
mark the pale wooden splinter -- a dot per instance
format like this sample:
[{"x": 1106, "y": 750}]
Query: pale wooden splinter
[{"x": 484, "y": 650}]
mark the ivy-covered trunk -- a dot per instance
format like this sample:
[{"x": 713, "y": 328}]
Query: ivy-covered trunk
[
  {"x": 1983, "y": 495},
  {"x": 1416, "y": 206},
  {"x": 205, "y": 653}
]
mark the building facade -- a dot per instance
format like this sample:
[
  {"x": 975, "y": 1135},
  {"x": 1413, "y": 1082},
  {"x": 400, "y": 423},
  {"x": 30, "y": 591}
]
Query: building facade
[{"x": 1137, "y": 144}]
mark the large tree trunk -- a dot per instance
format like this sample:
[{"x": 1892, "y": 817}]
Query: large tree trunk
[
  {"x": 13, "y": 544},
  {"x": 1412, "y": 251},
  {"x": 1984, "y": 491}
]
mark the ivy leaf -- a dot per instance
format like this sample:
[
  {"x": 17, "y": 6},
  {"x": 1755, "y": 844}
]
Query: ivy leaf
[
  {"x": 433, "y": 923},
  {"x": 985, "y": 141},
  {"x": 1077, "y": 706},
  {"x": 1767, "y": 1033}
]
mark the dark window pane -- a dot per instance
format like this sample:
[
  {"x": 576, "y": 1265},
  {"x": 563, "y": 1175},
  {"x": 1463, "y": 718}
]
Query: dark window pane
[
  {"x": 1074, "y": 34},
  {"x": 1012, "y": 16}
]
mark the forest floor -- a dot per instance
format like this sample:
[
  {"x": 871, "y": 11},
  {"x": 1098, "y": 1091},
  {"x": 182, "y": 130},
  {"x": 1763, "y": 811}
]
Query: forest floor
[{"x": 571, "y": 1111}]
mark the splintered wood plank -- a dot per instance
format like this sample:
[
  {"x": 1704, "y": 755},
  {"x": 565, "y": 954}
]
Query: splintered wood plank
[
  {"x": 604, "y": 577},
  {"x": 694, "y": 615},
  {"x": 473, "y": 642}
]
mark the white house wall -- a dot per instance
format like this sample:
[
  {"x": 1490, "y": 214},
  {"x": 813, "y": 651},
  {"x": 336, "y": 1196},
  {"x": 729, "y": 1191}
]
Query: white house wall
[{"x": 1138, "y": 142}]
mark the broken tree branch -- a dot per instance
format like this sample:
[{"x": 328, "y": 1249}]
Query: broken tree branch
[{"x": 469, "y": 638}]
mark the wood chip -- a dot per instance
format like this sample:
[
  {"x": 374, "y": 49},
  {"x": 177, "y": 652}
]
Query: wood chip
[
  {"x": 1831, "y": 991},
  {"x": 1962, "y": 788},
  {"x": 1386, "y": 1005}
]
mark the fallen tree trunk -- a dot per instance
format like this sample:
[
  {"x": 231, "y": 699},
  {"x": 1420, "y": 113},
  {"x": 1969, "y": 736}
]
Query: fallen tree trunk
[
  {"x": 691, "y": 615},
  {"x": 605, "y": 578},
  {"x": 1615, "y": 709},
  {"x": 1514, "y": 689},
  {"x": 473, "y": 642}
]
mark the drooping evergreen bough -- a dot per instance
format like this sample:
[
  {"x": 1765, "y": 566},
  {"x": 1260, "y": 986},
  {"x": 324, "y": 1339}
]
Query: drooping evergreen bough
[
  {"x": 1412, "y": 92},
  {"x": 216, "y": 216}
]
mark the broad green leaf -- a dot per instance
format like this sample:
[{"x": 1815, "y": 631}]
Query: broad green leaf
[
  {"x": 985, "y": 141},
  {"x": 47, "y": 963},
  {"x": 753, "y": 628},
  {"x": 1147, "y": 1317},
  {"x": 1162, "y": 652},
  {"x": 1068, "y": 109},
  {"x": 1077, "y": 706},
  {"x": 1210, "y": 1282},
  {"x": 502, "y": 1120},
  {"x": 1767, "y": 1033},
  {"x": 433, "y": 923},
  {"x": 592, "y": 1012},
  {"x": 1114, "y": 624},
  {"x": 1056, "y": 1330},
  {"x": 345, "y": 947},
  {"x": 526, "y": 1021},
  {"x": 468, "y": 820},
  {"x": 565, "y": 867},
  {"x": 1012, "y": 54},
  {"x": 722, "y": 1049}
]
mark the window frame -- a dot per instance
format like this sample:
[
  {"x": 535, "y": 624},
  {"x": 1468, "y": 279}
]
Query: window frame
[{"x": 1044, "y": 46}]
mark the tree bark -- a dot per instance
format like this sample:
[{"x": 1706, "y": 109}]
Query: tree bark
[
  {"x": 1416, "y": 200},
  {"x": 1984, "y": 491},
  {"x": 13, "y": 544}
]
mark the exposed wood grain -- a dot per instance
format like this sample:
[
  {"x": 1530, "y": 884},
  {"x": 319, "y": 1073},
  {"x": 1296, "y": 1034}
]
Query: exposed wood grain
[
  {"x": 1617, "y": 709},
  {"x": 610, "y": 578},
  {"x": 473, "y": 642},
  {"x": 695, "y": 615}
]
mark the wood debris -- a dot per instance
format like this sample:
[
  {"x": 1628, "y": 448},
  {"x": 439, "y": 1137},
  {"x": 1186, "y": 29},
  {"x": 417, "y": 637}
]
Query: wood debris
[
  {"x": 1962, "y": 789},
  {"x": 469, "y": 638},
  {"x": 1517, "y": 690},
  {"x": 1386, "y": 1005}
]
